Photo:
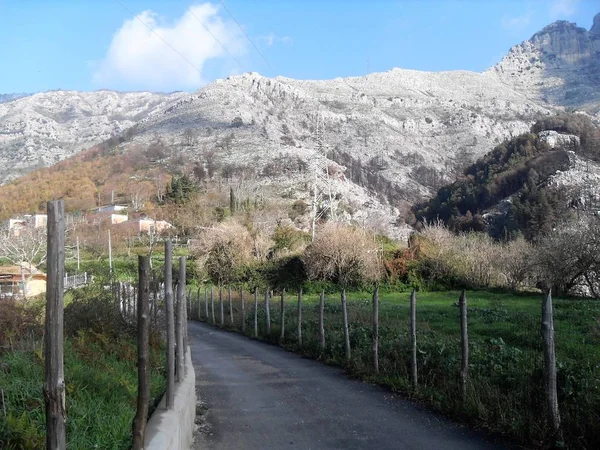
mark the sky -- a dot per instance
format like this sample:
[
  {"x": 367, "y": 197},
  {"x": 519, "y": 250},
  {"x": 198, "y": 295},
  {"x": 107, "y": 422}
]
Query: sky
[{"x": 179, "y": 45}]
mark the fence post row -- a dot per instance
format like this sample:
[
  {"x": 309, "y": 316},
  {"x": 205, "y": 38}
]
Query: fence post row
[
  {"x": 170, "y": 400},
  {"x": 143, "y": 396},
  {"x": 413, "y": 337},
  {"x": 464, "y": 339},
  {"x": 375, "y": 343},
  {"x": 54, "y": 382},
  {"x": 550, "y": 368},
  {"x": 183, "y": 276}
]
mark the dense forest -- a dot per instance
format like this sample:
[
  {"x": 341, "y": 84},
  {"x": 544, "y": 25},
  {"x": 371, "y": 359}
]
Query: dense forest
[{"x": 506, "y": 192}]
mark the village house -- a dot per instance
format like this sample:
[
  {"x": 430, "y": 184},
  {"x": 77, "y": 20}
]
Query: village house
[
  {"x": 28, "y": 220},
  {"x": 18, "y": 281},
  {"x": 149, "y": 226}
]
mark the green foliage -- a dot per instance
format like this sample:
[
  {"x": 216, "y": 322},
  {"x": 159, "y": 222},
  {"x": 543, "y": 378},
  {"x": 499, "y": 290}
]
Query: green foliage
[
  {"x": 287, "y": 237},
  {"x": 180, "y": 189},
  {"x": 518, "y": 169}
]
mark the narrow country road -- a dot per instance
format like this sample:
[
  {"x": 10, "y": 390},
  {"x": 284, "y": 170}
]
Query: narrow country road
[{"x": 258, "y": 396}]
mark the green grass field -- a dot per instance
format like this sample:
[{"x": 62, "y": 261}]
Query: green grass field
[
  {"x": 506, "y": 388},
  {"x": 101, "y": 381}
]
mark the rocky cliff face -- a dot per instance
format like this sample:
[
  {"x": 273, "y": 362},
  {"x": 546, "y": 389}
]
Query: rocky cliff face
[
  {"x": 559, "y": 65},
  {"x": 41, "y": 129}
]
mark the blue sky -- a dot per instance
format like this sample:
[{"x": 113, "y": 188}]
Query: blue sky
[{"x": 94, "y": 44}]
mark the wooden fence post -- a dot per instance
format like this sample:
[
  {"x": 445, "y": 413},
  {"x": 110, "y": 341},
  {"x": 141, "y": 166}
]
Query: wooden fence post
[
  {"x": 464, "y": 339},
  {"x": 550, "y": 368},
  {"x": 322, "y": 320},
  {"x": 184, "y": 298},
  {"x": 300, "y": 317},
  {"x": 413, "y": 337},
  {"x": 212, "y": 304},
  {"x": 221, "y": 310},
  {"x": 346, "y": 329},
  {"x": 206, "y": 302},
  {"x": 243, "y": 310},
  {"x": 230, "y": 305},
  {"x": 255, "y": 312},
  {"x": 267, "y": 313},
  {"x": 179, "y": 321},
  {"x": 282, "y": 316},
  {"x": 375, "y": 343},
  {"x": 170, "y": 400},
  {"x": 143, "y": 337},
  {"x": 54, "y": 382},
  {"x": 199, "y": 305}
]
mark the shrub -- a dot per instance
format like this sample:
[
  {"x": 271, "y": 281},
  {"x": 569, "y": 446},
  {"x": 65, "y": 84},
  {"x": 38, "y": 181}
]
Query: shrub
[{"x": 343, "y": 254}]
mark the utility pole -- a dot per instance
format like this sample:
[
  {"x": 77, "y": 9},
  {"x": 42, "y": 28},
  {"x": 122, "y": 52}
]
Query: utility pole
[
  {"x": 78, "y": 266},
  {"x": 109, "y": 253}
]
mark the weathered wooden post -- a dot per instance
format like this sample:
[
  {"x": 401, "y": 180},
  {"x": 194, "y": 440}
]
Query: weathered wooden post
[
  {"x": 413, "y": 337},
  {"x": 464, "y": 339},
  {"x": 184, "y": 298},
  {"x": 230, "y": 305},
  {"x": 206, "y": 302},
  {"x": 322, "y": 320},
  {"x": 179, "y": 323},
  {"x": 221, "y": 310},
  {"x": 282, "y": 316},
  {"x": 243, "y": 310},
  {"x": 550, "y": 368},
  {"x": 143, "y": 338},
  {"x": 300, "y": 317},
  {"x": 170, "y": 399},
  {"x": 267, "y": 313},
  {"x": 199, "y": 305},
  {"x": 375, "y": 342},
  {"x": 54, "y": 382},
  {"x": 255, "y": 312},
  {"x": 212, "y": 304},
  {"x": 346, "y": 329}
]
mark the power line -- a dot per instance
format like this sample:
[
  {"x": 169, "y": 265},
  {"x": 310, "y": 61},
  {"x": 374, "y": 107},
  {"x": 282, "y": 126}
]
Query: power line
[
  {"x": 159, "y": 36},
  {"x": 215, "y": 38},
  {"x": 248, "y": 37}
]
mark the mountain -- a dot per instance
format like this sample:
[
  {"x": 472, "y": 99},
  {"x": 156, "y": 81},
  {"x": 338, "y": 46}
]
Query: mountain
[
  {"x": 559, "y": 65},
  {"x": 387, "y": 140},
  {"x": 10, "y": 97},
  {"x": 39, "y": 130}
]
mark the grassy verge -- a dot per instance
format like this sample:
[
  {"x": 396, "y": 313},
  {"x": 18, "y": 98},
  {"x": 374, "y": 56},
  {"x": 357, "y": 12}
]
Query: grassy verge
[
  {"x": 101, "y": 381},
  {"x": 506, "y": 390}
]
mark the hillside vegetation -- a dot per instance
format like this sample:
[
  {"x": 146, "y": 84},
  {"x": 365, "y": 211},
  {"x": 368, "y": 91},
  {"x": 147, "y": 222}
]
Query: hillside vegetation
[{"x": 517, "y": 170}]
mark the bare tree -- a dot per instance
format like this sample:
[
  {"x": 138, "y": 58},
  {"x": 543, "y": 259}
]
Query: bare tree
[
  {"x": 343, "y": 254},
  {"x": 25, "y": 247}
]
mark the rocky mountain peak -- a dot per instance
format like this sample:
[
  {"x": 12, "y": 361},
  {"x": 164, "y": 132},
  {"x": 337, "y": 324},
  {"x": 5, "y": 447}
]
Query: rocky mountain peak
[
  {"x": 595, "y": 30},
  {"x": 558, "y": 65}
]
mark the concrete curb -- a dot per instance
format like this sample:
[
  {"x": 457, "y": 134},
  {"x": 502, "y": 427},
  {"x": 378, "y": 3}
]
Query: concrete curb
[{"x": 173, "y": 429}]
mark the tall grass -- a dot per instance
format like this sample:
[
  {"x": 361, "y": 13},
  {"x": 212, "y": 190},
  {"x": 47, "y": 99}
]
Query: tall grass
[{"x": 505, "y": 390}]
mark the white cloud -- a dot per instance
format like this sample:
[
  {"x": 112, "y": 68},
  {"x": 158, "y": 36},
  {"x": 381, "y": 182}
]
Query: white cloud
[
  {"x": 559, "y": 9},
  {"x": 515, "y": 23},
  {"x": 272, "y": 39},
  {"x": 138, "y": 59}
]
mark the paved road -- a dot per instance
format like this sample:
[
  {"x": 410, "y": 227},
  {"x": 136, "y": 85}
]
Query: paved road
[{"x": 258, "y": 396}]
